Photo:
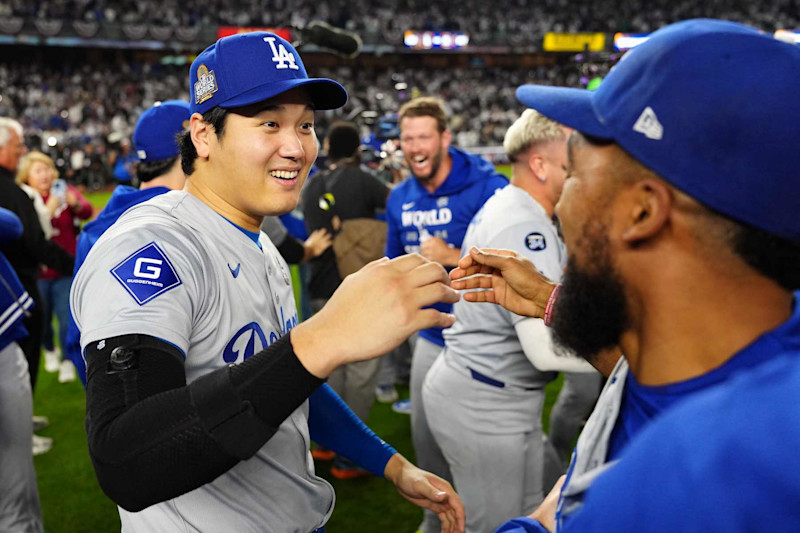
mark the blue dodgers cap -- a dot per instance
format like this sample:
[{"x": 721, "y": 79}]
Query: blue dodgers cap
[
  {"x": 712, "y": 107},
  {"x": 246, "y": 68},
  {"x": 154, "y": 136}
]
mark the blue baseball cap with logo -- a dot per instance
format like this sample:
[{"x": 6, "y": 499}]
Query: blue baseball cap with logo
[
  {"x": 155, "y": 134},
  {"x": 712, "y": 107},
  {"x": 247, "y": 68}
]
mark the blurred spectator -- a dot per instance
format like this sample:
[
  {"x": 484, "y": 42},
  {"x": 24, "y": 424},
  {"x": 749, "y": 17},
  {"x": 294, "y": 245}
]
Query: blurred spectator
[
  {"x": 26, "y": 253},
  {"x": 66, "y": 207}
]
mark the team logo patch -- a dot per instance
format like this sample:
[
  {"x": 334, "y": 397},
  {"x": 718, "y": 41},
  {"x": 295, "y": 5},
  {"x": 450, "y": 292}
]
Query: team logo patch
[
  {"x": 443, "y": 201},
  {"x": 205, "y": 86},
  {"x": 146, "y": 273},
  {"x": 535, "y": 241}
]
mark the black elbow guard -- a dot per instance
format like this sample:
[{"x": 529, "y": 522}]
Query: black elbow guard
[{"x": 229, "y": 420}]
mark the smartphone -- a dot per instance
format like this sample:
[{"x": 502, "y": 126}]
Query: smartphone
[{"x": 59, "y": 188}]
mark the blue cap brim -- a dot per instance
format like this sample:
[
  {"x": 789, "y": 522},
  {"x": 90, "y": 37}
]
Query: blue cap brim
[
  {"x": 567, "y": 106},
  {"x": 325, "y": 93}
]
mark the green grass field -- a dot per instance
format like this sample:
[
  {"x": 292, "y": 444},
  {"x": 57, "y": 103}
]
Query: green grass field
[{"x": 72, "y": 501}]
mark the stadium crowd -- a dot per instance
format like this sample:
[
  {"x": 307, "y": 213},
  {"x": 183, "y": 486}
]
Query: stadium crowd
[
  {"x": 506, "y": 22},
  {"x": 83, "y": 116}
]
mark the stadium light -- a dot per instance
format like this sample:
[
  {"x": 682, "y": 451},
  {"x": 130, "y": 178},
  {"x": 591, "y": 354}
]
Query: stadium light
[{"x": 626, "y": 41}]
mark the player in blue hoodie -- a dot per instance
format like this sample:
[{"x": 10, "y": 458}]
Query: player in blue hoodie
[
  {"x": 19, "y": 498},
  {"x": 159, "y": 171},
  {"x": 429, "y": 214}
]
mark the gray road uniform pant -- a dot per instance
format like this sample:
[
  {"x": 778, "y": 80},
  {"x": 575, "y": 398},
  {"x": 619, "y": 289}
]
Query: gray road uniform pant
[
  {"x": 429, "y": 455},
  {"x": 492, "y": 439},
  {"x": 19, "y": 497}
]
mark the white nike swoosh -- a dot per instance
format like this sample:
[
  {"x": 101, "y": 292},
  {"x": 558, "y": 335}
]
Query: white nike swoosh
[{"x": 408, "y": 205}]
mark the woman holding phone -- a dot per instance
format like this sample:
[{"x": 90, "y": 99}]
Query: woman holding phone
[{"x": 66, "y": 207}]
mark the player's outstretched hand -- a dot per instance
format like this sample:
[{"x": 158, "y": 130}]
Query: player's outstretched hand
[
  {"x": 546, "y": 513},
  {"x": 507, "y": 279},
  {"x": 428, "y": 491},
  {"x": 373, "y": 311}
]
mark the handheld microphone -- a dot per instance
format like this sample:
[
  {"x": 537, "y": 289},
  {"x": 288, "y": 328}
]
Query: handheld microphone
[{"x": 324, "y": 35}]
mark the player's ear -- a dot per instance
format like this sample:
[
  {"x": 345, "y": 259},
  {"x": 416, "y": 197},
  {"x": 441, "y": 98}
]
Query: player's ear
[
  {"x": 447, "y": 137},
  {"x": 648, "y": 209},
  {"x": 200, "y": 131},
  {"x": 536, "y": 164}
]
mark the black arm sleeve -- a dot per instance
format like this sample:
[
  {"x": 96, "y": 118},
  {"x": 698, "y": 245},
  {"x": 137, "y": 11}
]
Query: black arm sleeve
[
  {"x": 152, "y": 437},
  {"x": 291, "y": 250}
]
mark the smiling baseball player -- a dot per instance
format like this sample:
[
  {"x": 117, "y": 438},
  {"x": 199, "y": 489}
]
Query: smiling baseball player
[
  {"x": 483, "y": 397},
  {"x": 429, "y": 213},
  {"x": 185, "y": 289}
]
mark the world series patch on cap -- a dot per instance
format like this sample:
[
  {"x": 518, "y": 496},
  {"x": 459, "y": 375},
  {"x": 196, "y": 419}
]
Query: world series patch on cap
[
  {"x": 252, "y": 67},
  {"x": 155, "y": 134},
  {"x": 710, "y": 106}
]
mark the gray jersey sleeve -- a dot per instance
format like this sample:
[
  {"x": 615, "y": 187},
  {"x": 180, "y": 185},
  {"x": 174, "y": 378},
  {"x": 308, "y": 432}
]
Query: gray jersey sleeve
[{"x": 145, "y": 280}]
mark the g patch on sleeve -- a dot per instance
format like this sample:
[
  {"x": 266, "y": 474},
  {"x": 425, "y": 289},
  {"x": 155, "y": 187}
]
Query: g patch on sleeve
[
  {"x": 535, "y": 241},
  {"x": 146, "y": 273}
]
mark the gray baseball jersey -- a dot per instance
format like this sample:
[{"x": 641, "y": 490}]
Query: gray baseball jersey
[
  {"x": 174, "y": 269},
  {"x": 483, "y": 337},
  {"x": 483, "y": 397}
]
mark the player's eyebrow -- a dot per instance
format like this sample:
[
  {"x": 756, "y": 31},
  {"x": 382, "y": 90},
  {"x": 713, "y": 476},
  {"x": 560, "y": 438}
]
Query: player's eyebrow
[{"x": 279, "y": 107}]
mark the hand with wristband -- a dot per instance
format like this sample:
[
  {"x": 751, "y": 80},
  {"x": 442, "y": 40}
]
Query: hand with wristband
[{"x": 505, "y": 278}]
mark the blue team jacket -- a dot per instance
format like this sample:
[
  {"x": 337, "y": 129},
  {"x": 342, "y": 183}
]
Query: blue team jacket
[
  {"x": 724, "y": 459},
  {"x": 14, "y": 300},
  {"x": 446, "y": 213}
]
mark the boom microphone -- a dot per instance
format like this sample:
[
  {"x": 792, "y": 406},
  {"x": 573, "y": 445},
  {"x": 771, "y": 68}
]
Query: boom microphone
[{"x": 324, "y": 35}]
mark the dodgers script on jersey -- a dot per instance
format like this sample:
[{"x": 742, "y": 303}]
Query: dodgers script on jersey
[
  {"x": 483, "y": 337},
  {"x": 174, "y": 269}
]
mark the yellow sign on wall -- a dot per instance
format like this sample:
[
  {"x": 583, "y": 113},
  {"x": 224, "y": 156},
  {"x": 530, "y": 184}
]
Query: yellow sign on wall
[{"x": 574, "y": 42}]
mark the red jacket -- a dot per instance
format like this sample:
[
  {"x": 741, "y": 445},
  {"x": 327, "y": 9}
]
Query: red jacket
[{"x": 64, "y": 233}]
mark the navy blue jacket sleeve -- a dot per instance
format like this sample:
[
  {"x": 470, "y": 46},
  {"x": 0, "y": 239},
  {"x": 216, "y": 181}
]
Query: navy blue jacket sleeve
[
  {"x": 332, "y": 424},
  {"x": 394, "y": 244},
  {"x": 10, "y": 226},
  {"x": 522, "y": 524}
]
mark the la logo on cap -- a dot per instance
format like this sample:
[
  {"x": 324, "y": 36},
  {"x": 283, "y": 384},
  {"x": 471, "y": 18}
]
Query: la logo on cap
[
  {"x": 280, "y": 55},
  {"x": 205, "y": 86}
]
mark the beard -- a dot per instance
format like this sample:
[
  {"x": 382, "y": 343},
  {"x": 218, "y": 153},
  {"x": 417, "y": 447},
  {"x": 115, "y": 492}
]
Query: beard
[
  {"x": 591, "y": 312},
  {"x": 436, "y": 162}
]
